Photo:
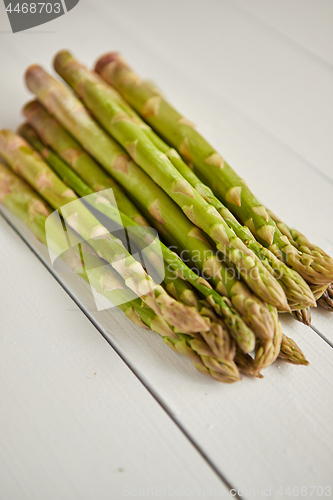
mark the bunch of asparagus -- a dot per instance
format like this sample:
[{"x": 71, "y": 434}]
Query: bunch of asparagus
[{"x": 228, "y": 264}]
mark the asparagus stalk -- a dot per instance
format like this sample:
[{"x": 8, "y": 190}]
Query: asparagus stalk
[
  {"x": 101, "y": 102},
  {"x": 20, "y": 199},
  {"x": 55, "y": 136},
  {"x": 326, "y": 300},
  {"x": 141, "y": 236},
  {"x": 36, "y": 172},
  {"x": 108, "y": 153},
  {"x": 66, "y": 174},
  {"x": 314, "y": 266},
  {"x": 79, "y": 160}
]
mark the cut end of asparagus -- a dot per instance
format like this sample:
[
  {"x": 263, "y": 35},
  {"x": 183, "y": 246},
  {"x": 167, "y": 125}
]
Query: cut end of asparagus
[
  {"x": 105, "y": 60},
  {"x": 34, "y": 76},
  {"x": 30, "y": 108}
]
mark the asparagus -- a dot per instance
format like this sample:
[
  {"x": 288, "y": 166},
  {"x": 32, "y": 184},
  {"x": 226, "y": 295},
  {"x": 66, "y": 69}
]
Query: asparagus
[
  {"x": 297, "y": 291},
  {"x": 71, "y": 178},
  {"x": 246, "y": 364},
  {"x": 267, "y": 351},
  {"x": 108, "y": 153},
  {"x": 326, "y": 300},
  {"x": 218, "y": 339},
  {"x": 318, "y": 290},
  {"x": 101, "y": 102},
  {"x": 297, "y": 239},
  {"x": 291, "y": 353},
  {"x": 314, "y": 266},
  {"x": 37, "y": 173},
  {"x": 55, "y": 136},
  {"x": 303, "y": 315},
  {"x": 81, "y": 162},
  {"x": 20, "y": 199},
  {"x": 141, "y": 236}
]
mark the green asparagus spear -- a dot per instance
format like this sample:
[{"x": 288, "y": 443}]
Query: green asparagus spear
[
  {"x": 55, "y": 136},
  {"x": 314, "y": 266},
  {"x": 191, "y": 240},
  {"x": 16, "y": 151},
  {"x": 218, "y": 339},
  {"x": 101, "y": 102},
  {"x": 20, "y": 199},
  {"x": 81, "y": 162},
  {"x": 71, "y": 178},
  {"x": 141, "y": 236}
]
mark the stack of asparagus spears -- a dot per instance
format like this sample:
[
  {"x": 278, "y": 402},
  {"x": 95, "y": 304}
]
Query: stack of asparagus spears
[{"x": 227, "y": 263}]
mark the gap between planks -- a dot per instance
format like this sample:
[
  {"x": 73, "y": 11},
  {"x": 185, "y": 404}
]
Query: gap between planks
[{"x": 124, "y": 358}]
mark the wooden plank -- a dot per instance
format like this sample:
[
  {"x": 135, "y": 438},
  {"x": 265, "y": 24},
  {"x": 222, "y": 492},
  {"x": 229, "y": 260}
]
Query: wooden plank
[
  {"x": 75, "y": 421},
  {"x": 306, "y": 23}
]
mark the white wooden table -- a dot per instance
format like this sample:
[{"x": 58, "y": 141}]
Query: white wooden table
[{"x": 92, "y": 407}]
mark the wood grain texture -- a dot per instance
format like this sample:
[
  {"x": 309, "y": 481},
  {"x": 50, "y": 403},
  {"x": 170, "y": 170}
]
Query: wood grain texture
[{"x": 75, "y": 421}]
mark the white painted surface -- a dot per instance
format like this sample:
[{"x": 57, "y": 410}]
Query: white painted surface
[
  {"x": 75, "y": 421},
  {"x": 307, "y": 23},
  {"x": 266, "y": 105}
]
